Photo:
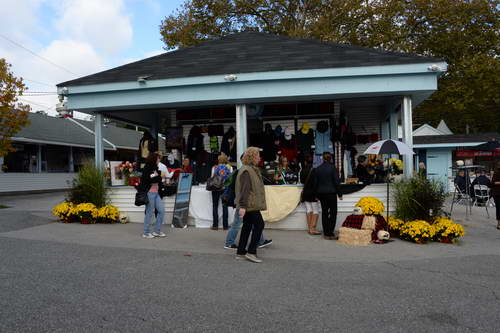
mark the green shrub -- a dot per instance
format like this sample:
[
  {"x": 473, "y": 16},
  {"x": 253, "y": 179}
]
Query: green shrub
[
  {"x": 418, "y": 198},
  {"x": 89, "y": 186}
]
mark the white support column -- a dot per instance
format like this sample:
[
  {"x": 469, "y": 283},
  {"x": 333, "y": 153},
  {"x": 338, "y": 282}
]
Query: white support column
[
  {"x": 407, "y": 122},
  {"x": 98, "y": 146},
  {"x": 39, "y": 159},
  {"x": 71, "y": 161},
  {"x": 241, "y": 131},
  {"x": 393, "y": 125}
]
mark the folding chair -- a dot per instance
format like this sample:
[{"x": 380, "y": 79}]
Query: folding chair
[
  {"x": 481, "y": 197},
  {"x": 460, "y": 197}
]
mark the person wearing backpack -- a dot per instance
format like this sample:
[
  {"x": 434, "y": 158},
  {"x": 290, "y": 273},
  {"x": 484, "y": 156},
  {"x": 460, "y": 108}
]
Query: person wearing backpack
[{"x": 222, "y": 170}]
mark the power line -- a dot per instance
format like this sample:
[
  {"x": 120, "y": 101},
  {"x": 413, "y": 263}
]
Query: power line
[
  {"x": 30, "y": 102},
  {"x": 42, "y": 83},
  {"x": 36, "y": 55}
]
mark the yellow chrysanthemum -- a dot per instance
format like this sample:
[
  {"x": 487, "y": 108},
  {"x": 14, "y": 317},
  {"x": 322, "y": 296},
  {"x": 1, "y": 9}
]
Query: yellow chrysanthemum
[{"x": 371, "y": 206}]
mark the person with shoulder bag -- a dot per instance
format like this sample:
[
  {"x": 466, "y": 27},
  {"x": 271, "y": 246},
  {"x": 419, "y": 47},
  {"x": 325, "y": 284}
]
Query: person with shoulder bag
[
  {"x": 250, "y": 201},
  {"x": 220, "y": 173},
  {"x": 151, "y": 183},
  {"x": 495, "y": 192}
]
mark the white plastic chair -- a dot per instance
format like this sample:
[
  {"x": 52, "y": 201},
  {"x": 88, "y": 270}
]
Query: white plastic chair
[{"x": 482, "y": 197}]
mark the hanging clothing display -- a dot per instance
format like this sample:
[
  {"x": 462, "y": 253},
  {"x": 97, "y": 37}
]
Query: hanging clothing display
[
  {"x": 347, "y": 164},
  {"x": 228, "y": 145},
  {"x": 214, "y": 144},
  {"x": 305, "y": 139},
  {"x": 269, "y": 149},
  {"x": 288, "y": 145},
  {"x": 322, "y": 141},
  {"x": 194, "y": 143},
  {"x": 339, "y": 159}
]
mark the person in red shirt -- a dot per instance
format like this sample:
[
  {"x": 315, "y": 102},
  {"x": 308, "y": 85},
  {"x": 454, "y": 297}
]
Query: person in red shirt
[{"x": 186, "y": 167}]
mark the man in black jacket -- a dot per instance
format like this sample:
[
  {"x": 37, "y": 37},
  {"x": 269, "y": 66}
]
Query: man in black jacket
[{"x": 327, "y": 191}]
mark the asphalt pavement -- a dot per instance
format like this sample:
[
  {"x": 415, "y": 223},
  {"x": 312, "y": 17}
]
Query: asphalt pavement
[{"x": 58, "y": 277}]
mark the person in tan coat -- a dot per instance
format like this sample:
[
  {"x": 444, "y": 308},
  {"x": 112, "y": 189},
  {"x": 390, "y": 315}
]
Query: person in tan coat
[{"x": 250, "y": 201}]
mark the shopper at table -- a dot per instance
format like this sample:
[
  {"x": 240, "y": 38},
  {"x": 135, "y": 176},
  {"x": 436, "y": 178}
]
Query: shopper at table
[
  {"x": 186, "y": 166},
  {"x": 495, "y": 192},
  {"x": 151, "y": 183},
  {"x": 222, "y": 169},
  {"x": 283, "y": 174},
  {"x": 363, "y": 173},
  {"x": 327, "y": 189},
  {"x": 251, "y": 200}
]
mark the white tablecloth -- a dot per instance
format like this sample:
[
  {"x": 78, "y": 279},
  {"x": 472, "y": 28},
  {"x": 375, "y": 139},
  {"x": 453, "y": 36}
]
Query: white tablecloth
[{"x": 200, "y": 208}]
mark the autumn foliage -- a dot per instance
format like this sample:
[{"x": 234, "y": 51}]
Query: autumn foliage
[
  {"x": 13, "y": 115},
  {"x": 464, "y": 33}
]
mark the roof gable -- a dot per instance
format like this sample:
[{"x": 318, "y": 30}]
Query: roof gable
[
  {"x": 427, "y": 129},
  {"x": 249, "y": 52},
  {"x": 444, "y": 128}
]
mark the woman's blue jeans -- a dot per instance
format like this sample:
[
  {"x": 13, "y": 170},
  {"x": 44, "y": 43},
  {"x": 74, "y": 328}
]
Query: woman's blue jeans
[{"x": 155, "y": 202}]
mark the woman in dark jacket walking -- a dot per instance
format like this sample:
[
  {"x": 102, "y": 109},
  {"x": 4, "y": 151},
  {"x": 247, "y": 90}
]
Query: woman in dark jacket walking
[
  {"x": 151, "y": 182},
  {"x": 495, "y": 192},
  {"x": 327, "y": 190}
]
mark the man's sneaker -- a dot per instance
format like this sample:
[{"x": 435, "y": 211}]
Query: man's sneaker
[
  {"x": 232, "y": 246},
  {"x": 148, "y": 236},
  {"x": 159, "y": 234},
  {"x": 266, "y": 243},
  {"x": 240, "y": 256},
  {"x": 253, "y": 258}
]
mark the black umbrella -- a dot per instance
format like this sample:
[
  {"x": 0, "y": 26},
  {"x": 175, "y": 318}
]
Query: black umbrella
[
  {"x": 388, "y": 147},
  {"x": 492, "y": 145}
]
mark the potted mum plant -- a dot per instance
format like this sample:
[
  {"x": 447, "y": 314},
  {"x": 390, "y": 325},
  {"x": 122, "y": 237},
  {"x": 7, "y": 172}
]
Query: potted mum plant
[{"x": 84, "y": 212}]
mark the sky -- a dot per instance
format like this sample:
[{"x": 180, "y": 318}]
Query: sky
[{"x": 76, "y": 38}]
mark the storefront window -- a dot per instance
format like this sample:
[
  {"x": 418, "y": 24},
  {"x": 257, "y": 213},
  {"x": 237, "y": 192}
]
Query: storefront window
[{"x": 24, "y": 159}]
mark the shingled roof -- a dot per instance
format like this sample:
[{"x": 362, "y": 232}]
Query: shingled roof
[
  {"x": 249, "y": 52},
  {"x": 455, "y": 139},
  {"x": 63, "y": 131}
]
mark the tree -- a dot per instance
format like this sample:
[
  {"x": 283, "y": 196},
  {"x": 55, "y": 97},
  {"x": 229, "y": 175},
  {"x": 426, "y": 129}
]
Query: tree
[
  {"x": 13, "y": 115},
  {"x": 465, "y": 33}
]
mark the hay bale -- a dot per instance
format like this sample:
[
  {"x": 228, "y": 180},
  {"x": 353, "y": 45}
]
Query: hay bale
[
  {"x": 369, "y": 222},
  {"x": 357, "y": 237}
]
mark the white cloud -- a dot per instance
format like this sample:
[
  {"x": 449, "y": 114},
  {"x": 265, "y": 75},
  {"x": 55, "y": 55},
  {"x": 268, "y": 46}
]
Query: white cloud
[
  {"x": 19, "y": 18},
  {"x": 78, "y": 57},
  {"x": 104, "y": 24}
]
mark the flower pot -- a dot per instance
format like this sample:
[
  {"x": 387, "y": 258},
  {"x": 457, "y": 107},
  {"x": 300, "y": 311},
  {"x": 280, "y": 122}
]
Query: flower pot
[
  {"x": 446, "y": 240},
  {"x": 133, "y": 181},
  {"x": 85, "y": 220},
  {"x": 394, "y": 234},
  {"x": 420, "y": 241}
]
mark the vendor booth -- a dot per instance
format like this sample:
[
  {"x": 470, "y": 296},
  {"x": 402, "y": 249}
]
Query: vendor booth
[{"x": 291, "y": 97}]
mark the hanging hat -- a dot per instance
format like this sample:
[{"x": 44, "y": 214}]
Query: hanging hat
[
  {"x": 305, "y": 128},
  {"x": 278, "y": 130},
  {"x": 288, "y": 133}
]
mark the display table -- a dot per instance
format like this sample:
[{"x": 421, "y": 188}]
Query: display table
[{"x": 284, "y": 208}]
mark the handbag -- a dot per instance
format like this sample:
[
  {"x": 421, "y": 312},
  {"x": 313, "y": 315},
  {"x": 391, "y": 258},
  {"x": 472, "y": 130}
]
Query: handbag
[
  {"x": 141, "y": 198},
  {"x": 215, "y": 183}
]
